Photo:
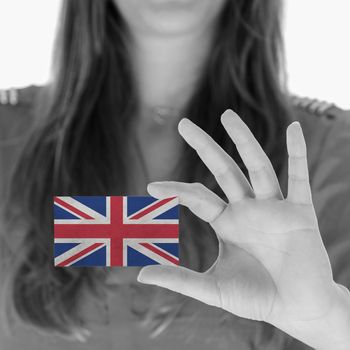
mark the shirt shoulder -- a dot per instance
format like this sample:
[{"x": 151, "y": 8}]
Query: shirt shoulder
[
  {"x": 17, "y": 112},
  {"x": 327, "y": 135},
  {"x": 321, "y": 109},
  {"x": 17, "y": 109},
  {"x": 326, "y": 128}
]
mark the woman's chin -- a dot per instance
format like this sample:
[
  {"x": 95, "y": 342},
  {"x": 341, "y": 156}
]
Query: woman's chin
[
  {"x": 169, "y": 17},
  {"x": 172, "y": 23}
]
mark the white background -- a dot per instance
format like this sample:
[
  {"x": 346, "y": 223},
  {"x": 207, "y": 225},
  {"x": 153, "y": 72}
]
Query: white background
[{"x": 317, "y": 36}]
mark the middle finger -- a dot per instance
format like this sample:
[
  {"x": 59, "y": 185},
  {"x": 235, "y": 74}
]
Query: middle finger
[
  {"x": 260, "y": 169},
  {"x": 227, "y": 173}
]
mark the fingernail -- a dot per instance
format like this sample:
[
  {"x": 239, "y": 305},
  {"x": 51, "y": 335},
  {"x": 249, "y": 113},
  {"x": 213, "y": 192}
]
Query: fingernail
[
  {"x": 140, "y": 277},
  {"x": 228, "y": 114},
  {"x": 183, "y": 124},
  {"x": 153, "y": 186},
  {"x": 229, "y": 111},
  {"x": 183, "y": 120}
]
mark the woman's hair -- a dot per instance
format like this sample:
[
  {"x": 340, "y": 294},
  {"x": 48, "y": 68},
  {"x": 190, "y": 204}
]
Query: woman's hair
[{"x": 77, "y": 145}]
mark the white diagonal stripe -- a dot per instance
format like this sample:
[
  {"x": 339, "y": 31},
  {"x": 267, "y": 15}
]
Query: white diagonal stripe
[
  {"x": 145, "y": 251},
  {"x": 132, "y": 241},
  {"x": 163, "y": 250},
  {"x": 98, "y": 218},
  {"x": 82, "y": 244},
  {"x": 154, "y": 213}
]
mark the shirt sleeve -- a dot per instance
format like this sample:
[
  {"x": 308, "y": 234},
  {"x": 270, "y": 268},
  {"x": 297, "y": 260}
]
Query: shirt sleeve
[{"x": 331, "y": 197}]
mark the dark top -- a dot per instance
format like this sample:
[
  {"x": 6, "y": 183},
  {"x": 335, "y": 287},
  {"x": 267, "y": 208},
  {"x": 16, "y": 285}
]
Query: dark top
[{"x": 199, "y": 326}]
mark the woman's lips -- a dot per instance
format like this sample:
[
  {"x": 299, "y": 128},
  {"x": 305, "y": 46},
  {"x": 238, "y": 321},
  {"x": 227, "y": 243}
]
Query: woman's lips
[{"x": 172, "y": 4}]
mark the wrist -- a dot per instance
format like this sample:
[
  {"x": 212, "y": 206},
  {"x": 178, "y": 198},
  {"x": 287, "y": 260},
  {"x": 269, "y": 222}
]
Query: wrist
[
  {"x": 337, "y": 330},
  {"x": 333, "y": 331}
]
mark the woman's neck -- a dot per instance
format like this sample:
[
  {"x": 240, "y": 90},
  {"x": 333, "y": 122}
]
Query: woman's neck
[{"x": 167, "y": 68}]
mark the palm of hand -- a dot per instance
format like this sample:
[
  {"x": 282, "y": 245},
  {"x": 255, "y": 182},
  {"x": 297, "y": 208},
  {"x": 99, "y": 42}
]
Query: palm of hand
[{"x": 271, "y": 254}]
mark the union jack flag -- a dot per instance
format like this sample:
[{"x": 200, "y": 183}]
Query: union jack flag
[{"x": 115, "y": 231}]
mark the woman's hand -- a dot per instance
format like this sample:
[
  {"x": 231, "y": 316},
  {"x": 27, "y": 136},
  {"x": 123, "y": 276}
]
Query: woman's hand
[{"x": 272, "y": 265}]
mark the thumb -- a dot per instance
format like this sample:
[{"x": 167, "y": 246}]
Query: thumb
[{"x": 182, "y": 280}]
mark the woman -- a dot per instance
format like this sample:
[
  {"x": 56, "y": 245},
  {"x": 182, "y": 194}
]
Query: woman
[{"x": 126, "y": 72}]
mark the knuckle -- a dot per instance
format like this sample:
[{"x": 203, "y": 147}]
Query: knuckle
[
  {"x": 298, "y": 178},
  {"x": 224, "y": 171},
  {"x": 298, "y": 157},
  {"x": 258, "y": 168},
  {"x": 200, "y": 192}
]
